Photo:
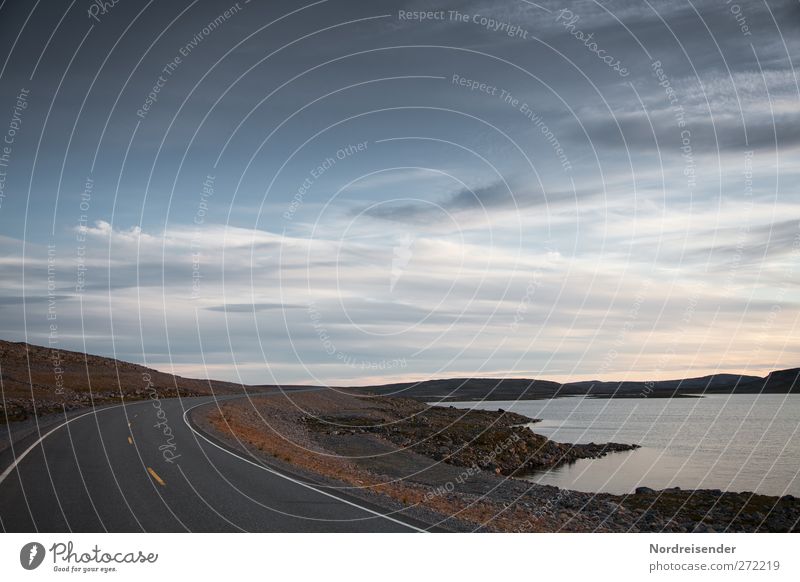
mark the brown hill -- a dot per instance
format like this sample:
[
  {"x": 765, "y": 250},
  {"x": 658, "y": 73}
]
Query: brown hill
[{"x": 41, "y": 379}]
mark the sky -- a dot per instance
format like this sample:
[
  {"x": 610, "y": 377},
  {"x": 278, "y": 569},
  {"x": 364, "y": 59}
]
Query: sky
[{"x": 354, "y": 193}]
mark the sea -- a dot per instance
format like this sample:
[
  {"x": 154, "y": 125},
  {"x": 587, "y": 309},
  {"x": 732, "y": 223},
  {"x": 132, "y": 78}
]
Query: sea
[{"x": 730, "y": 442}]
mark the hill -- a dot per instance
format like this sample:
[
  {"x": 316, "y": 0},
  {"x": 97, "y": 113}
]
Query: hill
[
  {"x": 781, "y": 381},
  {"x": 51, "y": 380}
]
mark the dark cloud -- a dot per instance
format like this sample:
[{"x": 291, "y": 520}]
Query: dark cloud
[
  {"x": 31, "y": 300},
  {"x": 483, "y": 200},
  {"x": 709, "y": 135},
  {"x": 252, "y": 307}
]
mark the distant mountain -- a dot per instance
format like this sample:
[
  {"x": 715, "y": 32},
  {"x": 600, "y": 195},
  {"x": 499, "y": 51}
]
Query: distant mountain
[
  {"x": 782, "y": 381},
  {"x": 467, "y": 389},
  {"x": 713, "y": 383}
]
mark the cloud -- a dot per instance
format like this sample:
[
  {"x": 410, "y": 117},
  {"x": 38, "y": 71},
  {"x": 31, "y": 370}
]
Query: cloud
[
  {"x": 481, "y": 200},
  {"x": 458, "y": 305},
  {"x": 745, "y": 110},
  {"x": 251, "y": 307},
  {"x": 31, "y": 300}
]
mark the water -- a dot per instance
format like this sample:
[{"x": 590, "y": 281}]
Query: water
[{"x": 728, "y": 442}]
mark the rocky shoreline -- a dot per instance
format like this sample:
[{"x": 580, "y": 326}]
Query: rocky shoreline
[
  {"x": 457, "y": 468},
  {"x": 501, "y": 441}
]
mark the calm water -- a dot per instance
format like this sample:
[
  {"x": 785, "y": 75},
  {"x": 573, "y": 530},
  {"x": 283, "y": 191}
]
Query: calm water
[{"x": 733, "y": 443}]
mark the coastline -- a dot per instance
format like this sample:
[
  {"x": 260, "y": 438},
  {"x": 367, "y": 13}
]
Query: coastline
[{"x": 396, "y": 452}]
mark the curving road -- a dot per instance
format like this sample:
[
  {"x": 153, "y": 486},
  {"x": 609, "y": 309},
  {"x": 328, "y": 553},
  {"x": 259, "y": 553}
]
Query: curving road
[{"x": 103, "y": 471}]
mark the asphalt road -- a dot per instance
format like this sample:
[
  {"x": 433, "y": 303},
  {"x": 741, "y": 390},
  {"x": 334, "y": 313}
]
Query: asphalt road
[{"x": 105, "y": 471}]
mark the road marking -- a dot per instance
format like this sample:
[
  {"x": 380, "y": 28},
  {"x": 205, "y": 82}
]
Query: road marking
[
  {"x": 278, "y": 474},
  {"x": 155, "y": 476},
  {"x": 25, "y": 453},
  {"x": 130, "y": 441}
]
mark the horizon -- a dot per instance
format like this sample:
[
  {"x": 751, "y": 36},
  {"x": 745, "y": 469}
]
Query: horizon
[
  {"x": 191, "y": 372},
  {"x": 489, "y": 190},
  {"x": 378, "y": 380}
]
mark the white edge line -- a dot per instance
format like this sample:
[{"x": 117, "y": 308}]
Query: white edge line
[
  {"x": 10, "y": 468},
  {"x": 17, "y": 460},
  {"x": 279, "y": 474}
]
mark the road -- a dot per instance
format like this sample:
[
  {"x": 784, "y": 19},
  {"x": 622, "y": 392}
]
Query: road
[{"x": 103, "y": 471}]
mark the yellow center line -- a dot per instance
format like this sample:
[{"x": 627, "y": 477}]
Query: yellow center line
[
  {"x": 155, "y": 476},
  {"x": 130, "y": 441}
]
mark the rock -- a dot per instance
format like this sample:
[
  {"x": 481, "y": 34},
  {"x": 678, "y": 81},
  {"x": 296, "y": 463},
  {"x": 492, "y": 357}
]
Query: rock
[{"x": 644, "y": 491}]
